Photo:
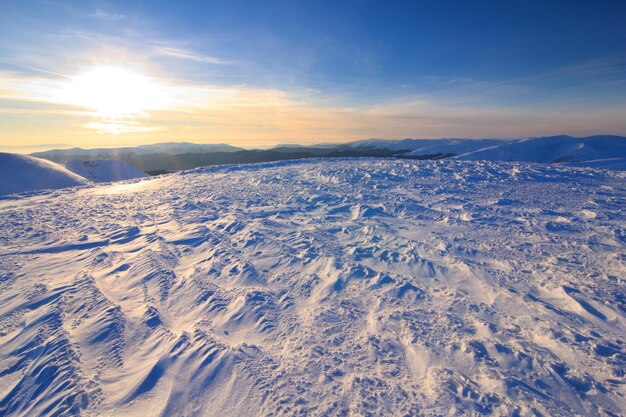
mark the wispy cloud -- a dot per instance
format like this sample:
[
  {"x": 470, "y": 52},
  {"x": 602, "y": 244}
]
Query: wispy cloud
[
  {"x": 103, "y": 14},
  {"x": 129, "y": 48},
  {"x": 587, "y": 83},
  {"x": 118, "y": 127},
  {"x": 470, "y": 90},
  {"x": 601, "y": 68},
  {"x": 185, "y": 54}
]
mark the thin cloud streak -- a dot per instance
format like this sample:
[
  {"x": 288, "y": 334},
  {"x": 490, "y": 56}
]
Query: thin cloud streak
[
  {"x": 188, "y": 55},
  {"x": 103, "y": 14}
]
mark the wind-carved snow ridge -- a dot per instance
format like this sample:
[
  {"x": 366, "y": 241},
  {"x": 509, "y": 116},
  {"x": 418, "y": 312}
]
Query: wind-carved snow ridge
[{"x": 344, "y": 287}]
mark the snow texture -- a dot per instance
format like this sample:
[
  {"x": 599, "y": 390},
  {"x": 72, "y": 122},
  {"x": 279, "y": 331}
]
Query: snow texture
[
  {"x": 346, "y": 287},
  {"x": 21, "y": 173},
  {"x": 104, "y": 170}
]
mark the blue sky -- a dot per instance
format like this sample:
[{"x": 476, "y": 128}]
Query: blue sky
[{"x": 372, "y": 69}]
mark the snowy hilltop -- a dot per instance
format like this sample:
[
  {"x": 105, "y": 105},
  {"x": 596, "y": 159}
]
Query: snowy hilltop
[
  {"x": 604, "y": 151},
  {"x": 104, "y": 170},
  {"x": 21, "y": 173},
  {"x": 320, "y": 288},
  {"x": 557, "y": 149}
]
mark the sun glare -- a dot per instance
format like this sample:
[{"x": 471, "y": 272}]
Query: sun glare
[{"x": 115, "y": 92}]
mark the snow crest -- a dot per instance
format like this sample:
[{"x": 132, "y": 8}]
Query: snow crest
[{"x": 344, "y": 287}]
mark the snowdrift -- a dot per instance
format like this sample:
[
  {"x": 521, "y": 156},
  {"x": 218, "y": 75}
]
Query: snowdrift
[
  {"x": 21, "y": 173},
  {"x": 342, "y": 287},
  {"x": 104, "y": 170}
]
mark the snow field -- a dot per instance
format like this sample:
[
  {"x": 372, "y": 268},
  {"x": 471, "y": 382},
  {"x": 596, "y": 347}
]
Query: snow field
[{"x": 342, "y": 287}]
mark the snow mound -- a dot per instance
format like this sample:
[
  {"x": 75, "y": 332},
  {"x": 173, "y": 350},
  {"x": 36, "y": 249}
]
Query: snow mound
[
  {"x": 21, "y": 173},
  {"x": 104, "y": 170},
  {"x": 342, "y": 287}
]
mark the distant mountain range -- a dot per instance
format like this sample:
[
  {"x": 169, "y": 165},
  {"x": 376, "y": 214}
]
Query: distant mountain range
[
  {"x": 160, "y": 158},
  {"x": 598, "y": 151},
  {"x": 19, "y": 173},
  {"x": 549, "y": 149},
  {"x": 172, "y": 148}
]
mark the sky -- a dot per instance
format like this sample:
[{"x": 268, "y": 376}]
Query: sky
[{"x": 256, "y": 73}]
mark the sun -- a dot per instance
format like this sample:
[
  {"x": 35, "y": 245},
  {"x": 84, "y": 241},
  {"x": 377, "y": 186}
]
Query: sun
[{"x": 114, "y": 92}]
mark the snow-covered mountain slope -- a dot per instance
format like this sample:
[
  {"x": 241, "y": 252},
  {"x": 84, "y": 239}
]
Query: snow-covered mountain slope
[
  {"x": 419, "y": 147},
  {"x": 553, "y": 149},
  {"x": 344, "y": 287},
  {"x": 593, "y": 151},
  {"x": 104, "y": 170},
  {"x": 21, "y": 173}
]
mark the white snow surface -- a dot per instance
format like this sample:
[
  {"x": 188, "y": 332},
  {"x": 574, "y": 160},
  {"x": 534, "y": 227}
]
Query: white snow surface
[
  {"x": 105, "y": 170},
  {"x": 22, "y": 173},
  {"x": 345, "y": 287}
]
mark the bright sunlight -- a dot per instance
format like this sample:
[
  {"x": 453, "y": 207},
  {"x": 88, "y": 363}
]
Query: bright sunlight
[{"x": 115, "y": 92}]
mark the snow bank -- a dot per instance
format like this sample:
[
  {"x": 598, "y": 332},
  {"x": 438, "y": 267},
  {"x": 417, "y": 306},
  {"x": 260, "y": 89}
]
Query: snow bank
[
  {"x": 105, "y": 170},
  {"x": 21, "y": 173},
  {"x": 342, "y": 287}
]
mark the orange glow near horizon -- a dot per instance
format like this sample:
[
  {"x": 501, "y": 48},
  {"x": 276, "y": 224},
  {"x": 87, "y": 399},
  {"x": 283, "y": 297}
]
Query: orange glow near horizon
[{"x": 118, "y": 105}]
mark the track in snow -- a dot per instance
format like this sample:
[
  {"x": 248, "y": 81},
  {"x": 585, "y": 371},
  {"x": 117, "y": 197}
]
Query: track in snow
[{"x": 368, "y": 287}]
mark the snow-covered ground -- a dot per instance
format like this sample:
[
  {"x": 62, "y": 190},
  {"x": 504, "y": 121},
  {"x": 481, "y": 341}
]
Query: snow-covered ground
[
  {"x": 104, "y": 170},
  {"x": 343, "y": 287},
  {"x": 22, "y": 173}
]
